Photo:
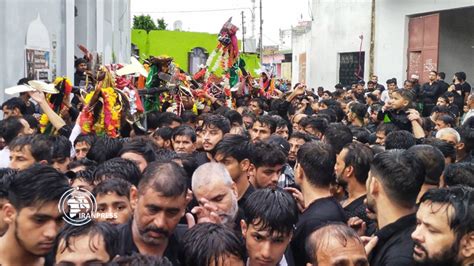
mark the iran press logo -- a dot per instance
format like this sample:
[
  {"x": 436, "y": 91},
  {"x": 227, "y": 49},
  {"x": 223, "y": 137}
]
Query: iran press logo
[{"x": 78, "y": 206}]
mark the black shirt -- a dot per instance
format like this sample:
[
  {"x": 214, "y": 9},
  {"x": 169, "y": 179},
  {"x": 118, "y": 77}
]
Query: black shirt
[
  {"x": 244, "y": 197},
  {"x": 357, "y": 209},
  {"x": 127, "y": 246},
  {"x": 395, "y": 246},
  {"x": 318, "y": 213},
  {"x": 429, "y": 93}
]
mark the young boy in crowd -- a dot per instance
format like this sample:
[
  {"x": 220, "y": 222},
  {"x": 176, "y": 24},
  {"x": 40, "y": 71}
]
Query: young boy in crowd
[{"x": 113, "y": 201}]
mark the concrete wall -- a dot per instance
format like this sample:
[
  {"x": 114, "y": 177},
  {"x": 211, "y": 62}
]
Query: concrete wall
[
  {"x": 15, "y": 17},
  {"x": 88, "y": 28},
  {"x": 337, "y": 25},
  {"x": 300, "y": 43},
  {"x": 336, "y": 29},
  {"x": 391, "y": 38},
  {"x": 456, "y": 45}
]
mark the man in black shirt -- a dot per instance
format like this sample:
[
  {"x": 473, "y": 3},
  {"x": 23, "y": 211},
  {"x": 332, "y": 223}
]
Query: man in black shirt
[
  {"x": 80, "y": 75},
  {"x": 444, "y": 231},
  {"x": 443, "y": 86},
  {"x": 394, "y": 181},
  {"x": 352, "y": 167},
  {"x": 429, "y": 93},
  {"x": 159, "y": 204},
  {"x": 314, "y": 173},
  {"x": 235, "y": 151}
]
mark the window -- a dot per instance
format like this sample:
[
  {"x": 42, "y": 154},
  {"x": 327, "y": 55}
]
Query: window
[{"x": 351, "y": 67}]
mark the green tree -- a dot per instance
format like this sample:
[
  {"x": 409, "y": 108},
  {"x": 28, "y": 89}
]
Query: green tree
[
  {"x": 162, "y": 24},
  {"x": 143, "y": 22}
]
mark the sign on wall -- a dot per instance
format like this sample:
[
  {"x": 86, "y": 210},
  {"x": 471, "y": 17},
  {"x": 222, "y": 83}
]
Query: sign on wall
[{"x": 37, "y": 64}]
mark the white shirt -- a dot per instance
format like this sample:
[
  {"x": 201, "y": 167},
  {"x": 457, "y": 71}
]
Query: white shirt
[{"x": 5, "y": 157}]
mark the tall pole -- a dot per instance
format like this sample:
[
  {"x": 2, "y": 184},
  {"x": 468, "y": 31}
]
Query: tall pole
[
  {"x": 243, "y": 33},
  {"x": 372, "y": 40},
  {"x": 261, "y": 34}
]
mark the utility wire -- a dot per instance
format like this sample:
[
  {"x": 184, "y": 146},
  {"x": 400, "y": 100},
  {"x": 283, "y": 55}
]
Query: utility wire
[{"x": 191, "y": 11}]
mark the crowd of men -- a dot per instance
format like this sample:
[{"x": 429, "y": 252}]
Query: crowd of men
[{"x": 355, "y": 176}]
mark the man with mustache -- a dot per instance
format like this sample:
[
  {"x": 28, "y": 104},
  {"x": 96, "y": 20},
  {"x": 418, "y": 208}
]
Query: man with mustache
[
  {"x": 394, "y": 181},
  {"x": 159, "y": 203},
  {"x": 32, "y": 215},
  {"x": 216, "y": 194},
  {"x": 444, "y": 234}
]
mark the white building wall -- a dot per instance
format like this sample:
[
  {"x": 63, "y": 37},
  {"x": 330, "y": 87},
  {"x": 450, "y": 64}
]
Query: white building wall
[
  {"x": 336, "y": 28},
  {"x": 64, "y": 29},
  {"x": 300, "y": 43},
  {"x": 391, "y": 38},
  {"x": 337, "y": 25}
]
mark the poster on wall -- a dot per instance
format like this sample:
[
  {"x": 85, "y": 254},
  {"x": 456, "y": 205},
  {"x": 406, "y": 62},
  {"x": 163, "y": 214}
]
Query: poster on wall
[{"x": 37, "y": 64}]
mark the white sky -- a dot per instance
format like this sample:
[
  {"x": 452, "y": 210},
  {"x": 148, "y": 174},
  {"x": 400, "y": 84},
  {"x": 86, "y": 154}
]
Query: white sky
[{"x": 277, "y": 14}]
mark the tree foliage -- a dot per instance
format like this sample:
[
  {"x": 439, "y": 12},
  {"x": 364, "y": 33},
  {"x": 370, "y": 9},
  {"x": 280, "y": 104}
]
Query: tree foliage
[
  {"x": 145, "y": 22},
  {"x": 161, "y": 24}
]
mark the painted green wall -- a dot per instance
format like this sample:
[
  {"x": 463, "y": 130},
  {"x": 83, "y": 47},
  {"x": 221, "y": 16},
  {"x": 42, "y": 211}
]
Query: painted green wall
[{"x": 177, "y": 44}]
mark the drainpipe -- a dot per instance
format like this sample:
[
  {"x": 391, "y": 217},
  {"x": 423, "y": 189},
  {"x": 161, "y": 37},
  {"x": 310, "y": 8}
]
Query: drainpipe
[{"x": 372, "y": 40}]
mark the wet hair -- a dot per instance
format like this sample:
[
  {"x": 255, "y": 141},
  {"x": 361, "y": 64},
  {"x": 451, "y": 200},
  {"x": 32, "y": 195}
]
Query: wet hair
[
  {"x": 217, "y": 121},
  {"x": 15, "y": 102},
  {"x": 167, "y": 178},
  {"x": 88, "y": 164},
  {"x": 104, "y": 148},
  {"x": 433, "y": 162},
  {"x": 165, "y": 155},
  {"x": 152, "y": 120},
  {"x": 188, "y": 117},
  {"x": 5, "y": 175},
  {"x": 61, "y": 147},
  {"x": 359, "y": 109},
  {"x": 10, "y": 128},
  {"x": 260, "y": 102},
  {"x": 467, "y": 137},
  {"x": 39, "y": 146},
  {"x": 267, "y": 120},
  {"x": 80, "y": 61},
  {"x": 301, "y": 135},
  {"x": 166, "y": 119},
  {"x": 142, "y": 146},
  {"x": 266, "y": 154},
  {"x": 461, "y": 76},
  {"x": 442, "y": 75},
  {"x": 274, "y": 210},
  {"x": 338, "y": 135},
  {"x": 319, "y": 238},
  {"x": 206, "y": 243},
  {"x": 447, "y": 119},
  {"x": 108, "y": 232},
  {"x": 461, "y": 199},
  {"x": 86, "y": 175},
  {"x": 459, "y": 174},
  {"x": 387, "y": 128},
  {"x": 316, "y": 122},
  {"x": 120, "y": 186},
  {"x": 317, "y": 160},
  {"x": 185, "y": 131},
  {"x": 166, "y": 133},
  {"x": 359, "y": 156},
  {"x": 401, "y": 173},
  {"x": 237, "y": 146},
  {"x": 234, "y": 117},
  {"x": 447, "y": 149},
  {"x": 32, "y": 122},
  {"x": 137, "y": 259},
  {"x": 36, "y": 185},
  {"x": 118, "y": 168},
  {"x": 87, "y": 138},
  {"x": 400, "y": 139}
]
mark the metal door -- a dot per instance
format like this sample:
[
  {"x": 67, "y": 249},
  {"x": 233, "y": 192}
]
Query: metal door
[{"x": 423, "y": 46}]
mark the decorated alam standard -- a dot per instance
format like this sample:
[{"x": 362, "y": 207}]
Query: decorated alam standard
[{"x": 145, "y": 164}]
